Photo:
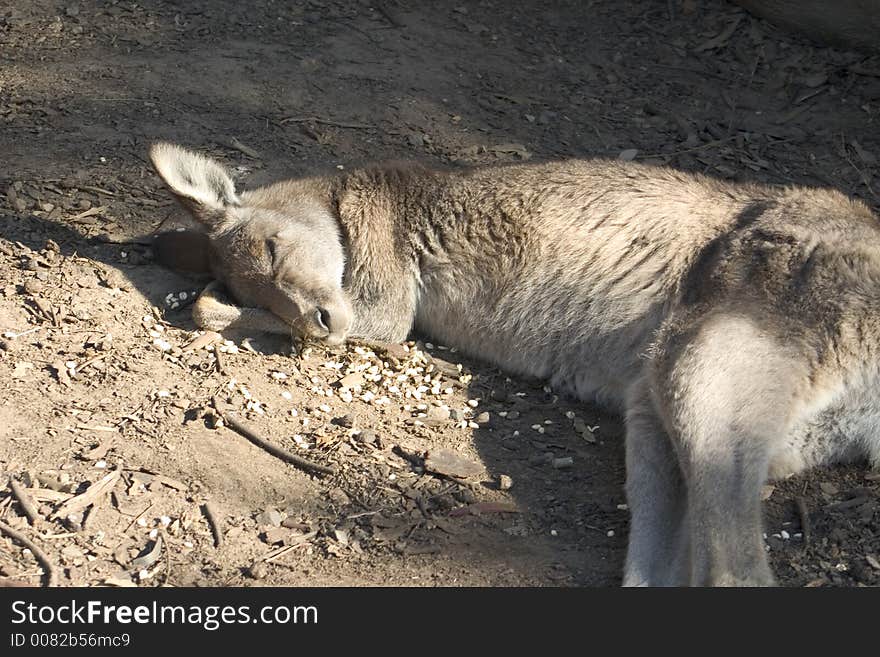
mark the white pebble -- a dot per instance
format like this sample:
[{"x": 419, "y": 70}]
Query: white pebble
[
  {"x": 162, "y": 345},
  {"x": 286, "y": 394}
]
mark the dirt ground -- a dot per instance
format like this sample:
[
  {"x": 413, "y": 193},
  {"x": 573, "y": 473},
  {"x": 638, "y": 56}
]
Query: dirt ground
[{"x": 102, "y": 397}]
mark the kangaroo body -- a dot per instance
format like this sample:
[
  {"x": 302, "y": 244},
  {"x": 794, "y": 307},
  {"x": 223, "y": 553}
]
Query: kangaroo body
[{"x": 735, "y": 326}]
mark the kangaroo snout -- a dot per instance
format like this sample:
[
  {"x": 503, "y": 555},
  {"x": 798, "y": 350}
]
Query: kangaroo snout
[{"x": 333, "y": 322}]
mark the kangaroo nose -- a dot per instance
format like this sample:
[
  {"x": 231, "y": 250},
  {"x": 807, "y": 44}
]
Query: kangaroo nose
[
  {"x": 336, "y": 319},
  {"x": 322, "y": 315}
]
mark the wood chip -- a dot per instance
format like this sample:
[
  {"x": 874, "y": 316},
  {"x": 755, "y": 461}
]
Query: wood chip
[
  {"x": 100, "y": 451},
  {"x": 48, "y": 495},
  {"x": 91, "y": 495},
  {"x": 150, "y": 557},
  {"x": 61, "y": 372},
  {"x": 207, "y": 338},
  {"x": 25, "y": 501},
  {"x": 451, "y": 464}
]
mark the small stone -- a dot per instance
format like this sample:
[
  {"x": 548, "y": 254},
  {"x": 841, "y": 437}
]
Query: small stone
[
  {"x": 269, "y": 518},
  {"x": 562, "y": 462},
  {"x": 87, "y": 281},
  {"x": 482, "y": 418},
  {"x": 465, "y": 496},
  {"x": 368, "y": 437},
  {"x": 456, "y": 414},
  {"x": 258, "y": 570},
  {"x": 438, "y": 413},
  {"x": 33, "y": 286},
  {"x": 394, "y": 350},
  {"x": 346, "y": 421},
  {"x": 451, "y": 464},
  {"x": 275, "y": 535},
  {"x": 505, "y": 482},
  {"x": 352, "y": 381}
]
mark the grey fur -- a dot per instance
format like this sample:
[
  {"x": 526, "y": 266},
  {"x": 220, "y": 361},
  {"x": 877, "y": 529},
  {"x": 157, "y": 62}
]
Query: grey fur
[{"x": 735, "y": 326}]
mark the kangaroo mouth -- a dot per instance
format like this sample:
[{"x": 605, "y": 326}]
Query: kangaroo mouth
[{"x": 316, "y": 325}]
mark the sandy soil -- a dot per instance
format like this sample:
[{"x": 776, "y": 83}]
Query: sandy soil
[{"x": 98, "y": 381}]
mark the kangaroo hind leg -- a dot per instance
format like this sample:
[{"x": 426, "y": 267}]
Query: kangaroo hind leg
[
  {"x": 730, "y": 391},
  {"x": 656, "y": 496}
]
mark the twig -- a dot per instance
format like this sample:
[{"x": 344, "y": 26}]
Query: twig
[
  {"x": 318, "y": 119},
  {"x": 96, "y": 190},
  {"x": 212, "y": 517},
  {"x": 48, "y": 567},
  {"x": 91, "y": 361},
  {"x": 138, "y": 517},
  {"x": 25, "y": 501},
  {"x": 804, "y": 514},
  {"x": 91, "y": 495},
  {"x": 274, "y": 450},
  {"x": 219, "y": 360},
  {"x": 243, "y": 148}
]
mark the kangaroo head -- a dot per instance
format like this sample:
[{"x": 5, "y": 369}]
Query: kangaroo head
[{"x": 280, "y": 253}]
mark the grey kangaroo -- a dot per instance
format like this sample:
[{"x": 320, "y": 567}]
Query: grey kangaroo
[{"x": 736, "y": 327}]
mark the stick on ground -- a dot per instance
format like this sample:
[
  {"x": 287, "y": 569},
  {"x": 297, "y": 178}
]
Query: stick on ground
[
  {"x": 219, "y": 361},
  {"x": 213, "y": 519},
  {"x": 304, "y": 464},
  {"x": 48, "y": 567},
  {"x": 804, "y": 514},
  {"x": 25, "y": 501}
]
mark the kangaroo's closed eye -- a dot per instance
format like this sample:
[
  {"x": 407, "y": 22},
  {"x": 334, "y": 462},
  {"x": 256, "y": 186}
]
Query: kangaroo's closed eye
[{"x": 271, "y": 249}]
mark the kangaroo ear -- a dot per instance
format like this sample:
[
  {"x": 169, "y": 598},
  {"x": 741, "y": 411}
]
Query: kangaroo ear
[{"x": 201, "y": 184}]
